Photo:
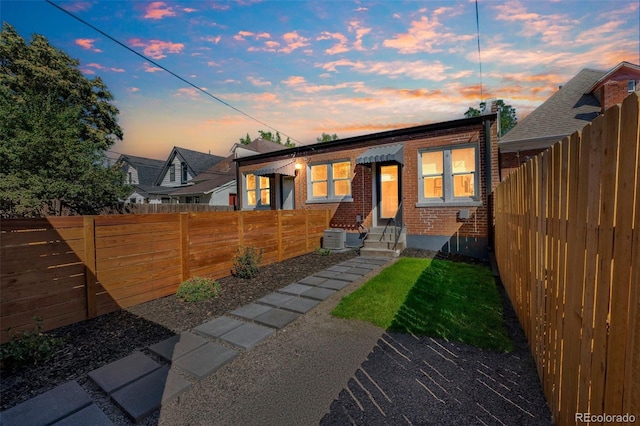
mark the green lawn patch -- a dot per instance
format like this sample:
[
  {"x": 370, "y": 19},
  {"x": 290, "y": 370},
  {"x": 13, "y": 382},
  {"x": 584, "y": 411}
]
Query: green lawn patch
[{"x": 439, "y": 298}]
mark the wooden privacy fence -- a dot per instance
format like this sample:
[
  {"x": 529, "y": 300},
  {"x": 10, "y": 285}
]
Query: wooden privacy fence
[
  {"x": 568, "y": 249},
  {"x": 67, "y": 269},
  {"x": 174, "y": 208}
]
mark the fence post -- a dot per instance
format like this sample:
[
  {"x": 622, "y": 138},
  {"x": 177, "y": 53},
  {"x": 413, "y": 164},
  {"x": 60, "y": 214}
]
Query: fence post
[
  {"x": 280, "y": 253},
  {"x": 90, "y": 265},
  {"x": 184, "y": 245}
]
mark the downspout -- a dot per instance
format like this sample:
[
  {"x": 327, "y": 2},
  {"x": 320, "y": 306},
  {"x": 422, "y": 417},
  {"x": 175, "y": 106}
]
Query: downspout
[
  {"x": 487, "y": 138},
  {"x": 238, "y": 185}
]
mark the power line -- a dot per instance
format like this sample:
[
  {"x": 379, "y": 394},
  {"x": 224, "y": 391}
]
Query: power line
[
  {"x": 479, "y": 57},
  {"x": 167, "y": 70}
]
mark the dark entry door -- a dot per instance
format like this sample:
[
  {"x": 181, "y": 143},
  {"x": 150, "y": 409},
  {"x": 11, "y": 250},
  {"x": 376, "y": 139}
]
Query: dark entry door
[{"x": 389, "y": 190}]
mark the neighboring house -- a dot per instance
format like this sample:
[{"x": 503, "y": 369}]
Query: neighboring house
[
  {"x": 183, "y": 165},
  {"x": 141, "y": 173},
  {"x": 574, "y": 105},
  {"x": 217, "y": 185},
  {"x": 435, "y": 180}
]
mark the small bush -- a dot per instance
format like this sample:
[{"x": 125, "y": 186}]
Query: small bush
[
  {"x": 197, "y": 289},
  {"x": 28, "y": 348},
  {"x": 323, "y": 251},
  {"x": 247, "y": 261}
]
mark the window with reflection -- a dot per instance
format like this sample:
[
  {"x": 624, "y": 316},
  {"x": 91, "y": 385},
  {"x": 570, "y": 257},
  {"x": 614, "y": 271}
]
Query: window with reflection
[
  {"x": 448, "y": 174},
  {"x": 258, "y": 190},
  {"x": 330, "y": 181}
]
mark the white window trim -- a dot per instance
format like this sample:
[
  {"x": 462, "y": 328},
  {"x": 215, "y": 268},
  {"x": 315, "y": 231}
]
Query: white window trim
[
  {"x": 330, "y": 198},
  {"x": 245, "y": 201},
  {"x": 448, "y": 200}
]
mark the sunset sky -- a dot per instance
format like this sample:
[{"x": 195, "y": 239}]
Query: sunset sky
[{"x": 341, "y": 67}]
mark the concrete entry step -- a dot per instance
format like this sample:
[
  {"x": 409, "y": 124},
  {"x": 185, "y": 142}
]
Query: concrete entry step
[
  {"x": 144, "y": 396},
  {"x": 49, "y": 407},
  {"x": 177, "y": 346},
  {"x": 117, "y": 374},
  {"x": 205, "y": 360}
]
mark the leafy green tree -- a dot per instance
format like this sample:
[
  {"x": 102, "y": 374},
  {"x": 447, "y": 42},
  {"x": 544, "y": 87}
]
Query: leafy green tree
[
  {"x": 508, "y": 118},
  {"x": 268, "y": 136},
  {"x": 327, "y": 137},
  {"x": 55, "y": 128},
  {"x": 246, "y": 140}
]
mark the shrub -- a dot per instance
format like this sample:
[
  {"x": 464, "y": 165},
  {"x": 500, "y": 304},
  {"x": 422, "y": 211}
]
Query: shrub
[
  {"x": 247, "y": 261},
  {"x": 197, "y": 289},
  {"x": 28, "y": 348},
  {"x": 323, "y": 251}
]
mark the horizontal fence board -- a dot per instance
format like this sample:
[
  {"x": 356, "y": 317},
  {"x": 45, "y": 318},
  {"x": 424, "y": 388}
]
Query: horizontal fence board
[
  {"x": 566, "y": 229},
  {"x": 132, "y": 258}
]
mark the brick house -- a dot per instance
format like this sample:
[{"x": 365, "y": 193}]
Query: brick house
[
  {"x": 576, "y": 103},
  {"x": 430, "y": 180}
]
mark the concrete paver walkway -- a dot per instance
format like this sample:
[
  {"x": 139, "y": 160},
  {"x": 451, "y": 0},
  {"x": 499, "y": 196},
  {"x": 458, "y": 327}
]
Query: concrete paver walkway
[{"x": 140, "y": 386}]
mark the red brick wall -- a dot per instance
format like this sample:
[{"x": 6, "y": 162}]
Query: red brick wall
[
  {"x": 613, "y": 92},
  {"x": 419, "y": 221},
  {"x": 510, "y": 161}
]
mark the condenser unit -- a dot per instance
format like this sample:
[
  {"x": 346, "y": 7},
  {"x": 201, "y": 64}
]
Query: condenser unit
[{"x": 334, "y": 239}]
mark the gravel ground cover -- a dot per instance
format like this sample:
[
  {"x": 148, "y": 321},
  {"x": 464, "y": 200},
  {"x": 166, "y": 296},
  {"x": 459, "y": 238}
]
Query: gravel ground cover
[{"x": 93, "y": 343}]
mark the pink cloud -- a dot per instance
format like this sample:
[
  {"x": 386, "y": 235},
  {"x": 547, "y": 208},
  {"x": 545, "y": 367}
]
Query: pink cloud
[
  {"x": 293, "y": 41},
  {"x": 188, "y": 92},
  {"x": 425, "y": 35},
  {"x": 258, "y": 82},
  {"x": 81, "y": 6},
  {"x": 158, "y": 10},
  {"x": 87, "y": 43},
  {"x": 339, "y": 47},
  {"x": 211, "y": 39},
  {"x": 133, "y": 89},
  {"x": 157, "y": 48},
  {"x": 243, "y": 35},
  {"x": 149, "y": 68},
  {"x": 103, "y": 68}
]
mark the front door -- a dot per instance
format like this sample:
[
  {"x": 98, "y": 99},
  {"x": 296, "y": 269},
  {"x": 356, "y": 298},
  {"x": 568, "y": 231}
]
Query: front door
[{"x": 389, "y": 189}]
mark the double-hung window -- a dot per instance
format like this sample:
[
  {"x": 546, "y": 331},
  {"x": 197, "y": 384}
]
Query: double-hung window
[
  {"x": 172, "y": 173},
  {"x": 448, "y": 175},
  {"x": 329, "y": 181},
  {"x": 258, "y": 191}
]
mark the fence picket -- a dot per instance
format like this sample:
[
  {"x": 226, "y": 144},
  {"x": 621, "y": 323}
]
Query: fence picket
[{"x": 581, "y": 274}]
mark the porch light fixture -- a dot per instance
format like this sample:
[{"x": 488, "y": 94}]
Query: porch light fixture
[{"x": 298, "y": 166}]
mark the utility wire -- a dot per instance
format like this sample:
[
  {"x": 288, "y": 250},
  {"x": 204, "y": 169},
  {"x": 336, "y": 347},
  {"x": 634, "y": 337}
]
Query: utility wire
[
  {"x": 167, "y": 70},
  {"x": 479, "y": 57}
]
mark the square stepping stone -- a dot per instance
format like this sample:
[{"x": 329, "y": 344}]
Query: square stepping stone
[
  {"x": 217, "y": 327},
  {"x": 205, "y": 360},
  {"x": 145, "y": 395},
  {"x": 91, "y": 415},
  {"x": 334, "y": 284},
  {"x": 374, "y": 260},
  {"x": 339, "y": 268},
  {"x": 251, "y": 311},
  {"x": 177, "y": 346},
  {"x": 348, "y": 277},
  {"x": 277, "y": 318},
  {"x": 327, "y": 274},
  {"x": 312, "y": 280},
  {"x": 275, "y": 299},
  {"x": 247, "y": 335},
  {"x": 300, "y": 304},
  {"x": 48, "y": 407},
  {"x": 318, "y": 293},
  {"x": 117, "y": 374},
  {"x": 364, "y": 265},
  {"x": 359, "y": 271},
  {"x": 295, "y": 289}
]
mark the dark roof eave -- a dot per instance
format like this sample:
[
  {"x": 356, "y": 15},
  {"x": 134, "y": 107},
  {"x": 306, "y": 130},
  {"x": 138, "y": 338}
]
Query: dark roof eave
[{"x": 371, "y": 137}]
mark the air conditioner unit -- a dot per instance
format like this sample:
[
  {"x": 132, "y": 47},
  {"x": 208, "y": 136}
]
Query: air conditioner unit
[{"x": 334, "y": 239}]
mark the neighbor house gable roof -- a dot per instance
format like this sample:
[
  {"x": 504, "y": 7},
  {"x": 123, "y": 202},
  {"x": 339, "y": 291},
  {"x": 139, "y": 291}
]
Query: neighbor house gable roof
[
  {"x": 624, "y": 71},
  {"x": 148, "y": 168},
  {"x": 208, "y": 185},
  {"x": 196, "y": 161},
  {"x": 566, "y": 111}
]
